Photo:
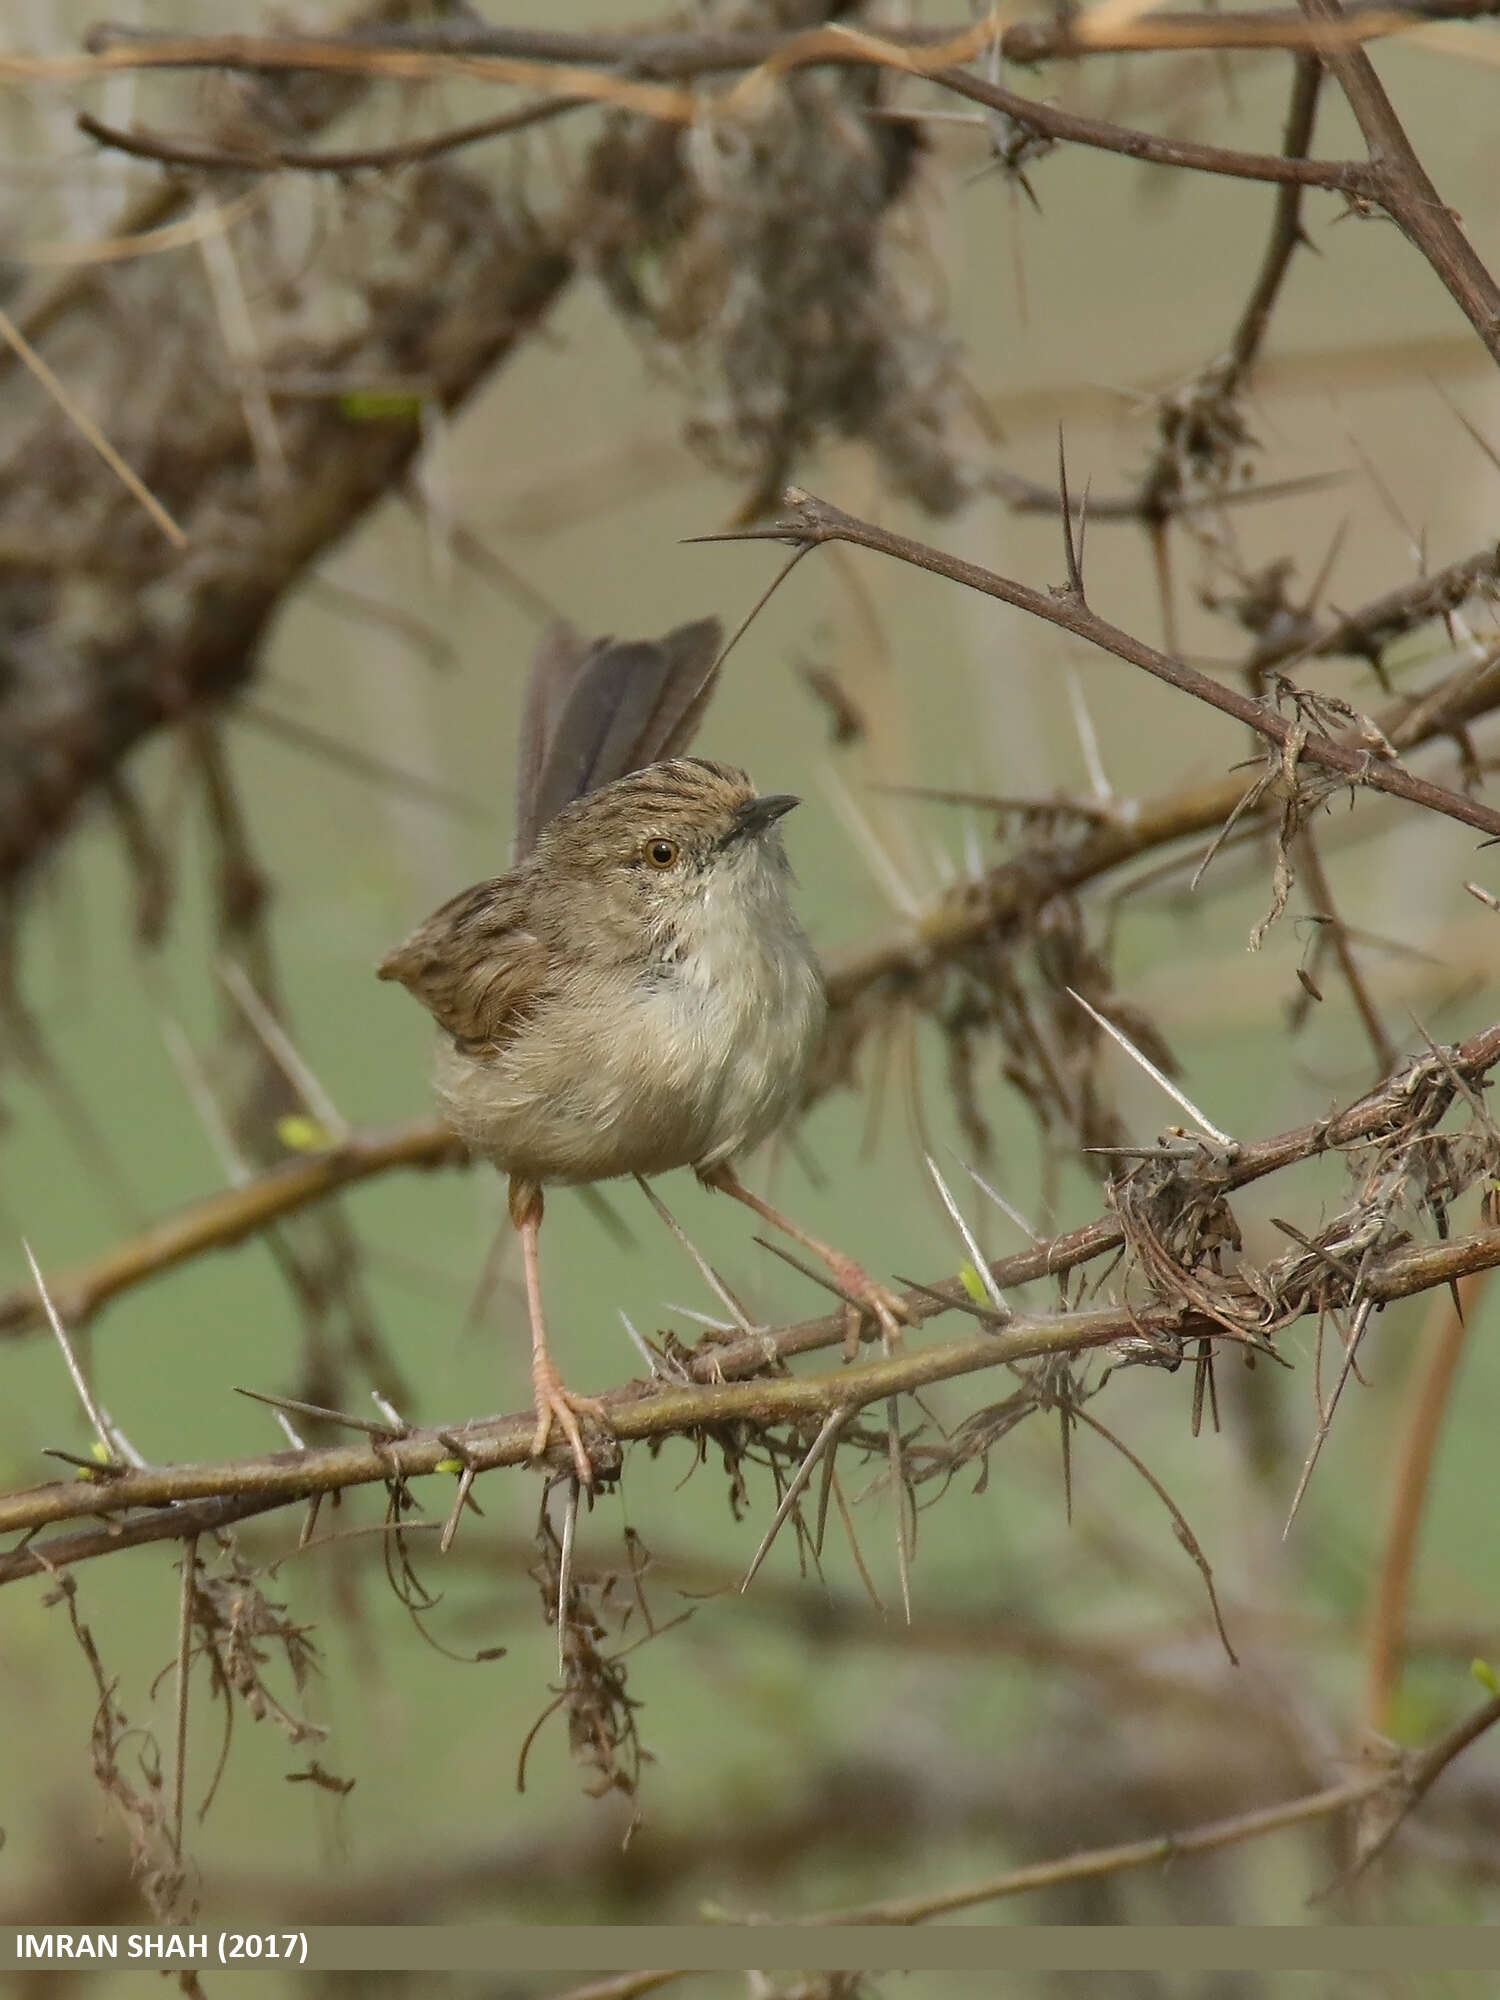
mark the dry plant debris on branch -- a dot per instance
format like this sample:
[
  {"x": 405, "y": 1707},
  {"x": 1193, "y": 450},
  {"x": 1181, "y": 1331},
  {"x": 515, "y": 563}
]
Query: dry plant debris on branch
[{"x": 239, "y": 461}]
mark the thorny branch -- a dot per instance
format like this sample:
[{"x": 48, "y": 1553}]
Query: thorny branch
[
  {"x": 1409, "y": 1166},
  {"x": 629, "y": 72},
  {"x": 285, "y": 1478},
  {"x": 810, "y": 520},
  {"x": 1400, "y": 184},
  {"x": 951, "y": 925},
  {"x": 1013, "y": 889}
]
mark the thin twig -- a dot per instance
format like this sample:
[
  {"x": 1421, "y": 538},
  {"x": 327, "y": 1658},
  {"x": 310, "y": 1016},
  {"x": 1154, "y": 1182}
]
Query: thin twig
[
  {"x": 1185, "y": 1536},
  {"x": 1322, "y": 899},
  {"x": 1092, "y": 1863},
  {"x": 1286, "y": 230},
  {"x": 268, "y": 159},
  {"x": 1326, "y": 1414}
]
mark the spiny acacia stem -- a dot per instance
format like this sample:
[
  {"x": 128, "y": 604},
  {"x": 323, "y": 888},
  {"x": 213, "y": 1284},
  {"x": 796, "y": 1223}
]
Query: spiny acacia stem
[
  {"x": 811, "y": 520},
  {"x": 283, "y": 1478},
  {"x": 228, "y": 1217}
]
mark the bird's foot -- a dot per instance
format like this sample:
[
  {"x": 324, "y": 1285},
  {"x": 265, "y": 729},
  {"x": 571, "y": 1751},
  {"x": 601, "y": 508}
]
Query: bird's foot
[
  {"x": 872, "y": 1301},
  {"x": 555, "y": 1402}
]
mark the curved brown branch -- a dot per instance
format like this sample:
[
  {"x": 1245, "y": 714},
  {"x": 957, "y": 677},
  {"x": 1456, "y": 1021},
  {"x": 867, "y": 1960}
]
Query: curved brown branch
[
  {"x": 221, "y": 1220},
  {"x": 1348, "y": 177},
  {"x": 351, "y": 56},
  {"x": 1158, "y": 1851},
  {"x": 1403, "y": 189},
  {"x": 283, "y": 159},
  {"x": 569, "y": 82},
  {"x": 811, "y": 520}
]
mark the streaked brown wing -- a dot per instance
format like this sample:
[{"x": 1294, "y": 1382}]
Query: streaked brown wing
[{"x": 473, "y": 965}]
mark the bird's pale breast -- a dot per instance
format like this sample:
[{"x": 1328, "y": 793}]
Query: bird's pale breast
[{"x": 683, "y": 1062}]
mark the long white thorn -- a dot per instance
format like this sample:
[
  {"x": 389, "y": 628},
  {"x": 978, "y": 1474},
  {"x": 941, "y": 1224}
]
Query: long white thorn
[
  {"x": 1005, "y": 1207},
  {"x": 94, "y": 1413},
  {"x": 1209, "y": 1130},
  {"x": 565, "y": 1577},
  {"x": 706, "y": 1270},
  {"x": 1088, "y": 738},
  {"x": 280, "y": 1048},
  {"x": 832, "y": 1425},
  {"x": 971, "y": 1242}
]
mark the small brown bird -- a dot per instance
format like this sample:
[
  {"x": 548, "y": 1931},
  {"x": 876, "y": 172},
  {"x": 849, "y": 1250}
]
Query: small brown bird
[{"x": 637, "y": 994}]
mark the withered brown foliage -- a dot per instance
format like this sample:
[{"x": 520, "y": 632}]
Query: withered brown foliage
[{"x": 766, "y": 258}]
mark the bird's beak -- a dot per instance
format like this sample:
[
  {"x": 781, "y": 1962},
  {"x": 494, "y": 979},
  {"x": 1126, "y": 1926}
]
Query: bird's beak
[{"x": 757, "y": 814}]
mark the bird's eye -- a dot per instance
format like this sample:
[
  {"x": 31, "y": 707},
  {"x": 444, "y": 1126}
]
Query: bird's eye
[{"x": 662, "y": 853}]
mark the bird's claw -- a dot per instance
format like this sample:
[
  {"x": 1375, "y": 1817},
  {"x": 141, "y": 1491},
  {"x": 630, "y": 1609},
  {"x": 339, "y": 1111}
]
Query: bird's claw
[
  {"x": 554, "y": 1401},
  {"x": 874, "y": 1301}
]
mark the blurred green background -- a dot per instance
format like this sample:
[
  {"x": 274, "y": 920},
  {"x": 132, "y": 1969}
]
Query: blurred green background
[{"x": 789, "y": 1748}]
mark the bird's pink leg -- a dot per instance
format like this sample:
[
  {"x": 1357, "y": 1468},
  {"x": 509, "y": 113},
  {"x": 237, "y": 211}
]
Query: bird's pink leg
[
  {"x": 553, "y": 1400},
  {"x": 887, "y": 1308}
]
